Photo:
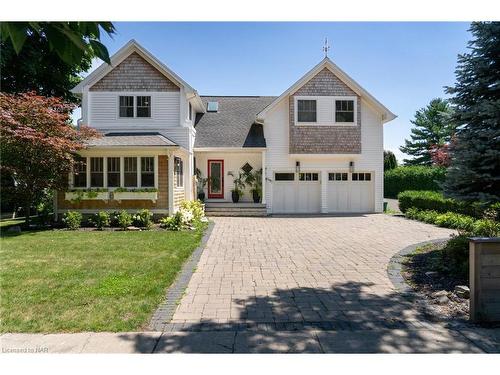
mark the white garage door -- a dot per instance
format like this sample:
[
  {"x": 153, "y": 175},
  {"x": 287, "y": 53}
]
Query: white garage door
[
  {"x": 296, "y": 193},
  {"x": 350, "y": 192}
]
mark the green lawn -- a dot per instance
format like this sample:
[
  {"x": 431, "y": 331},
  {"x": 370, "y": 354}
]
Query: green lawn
[{"x": 63, "y": 281}]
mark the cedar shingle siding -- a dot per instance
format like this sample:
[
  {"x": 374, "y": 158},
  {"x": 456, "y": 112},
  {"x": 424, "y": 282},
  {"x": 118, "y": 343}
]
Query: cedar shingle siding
[
  {"x": 134, "y": 74},
  {"x": 322, "y": 139}
]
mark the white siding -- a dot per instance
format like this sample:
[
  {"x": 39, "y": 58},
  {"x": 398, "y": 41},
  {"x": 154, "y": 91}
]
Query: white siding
[
  {"x": 103, "y": 114},
  {"x": 370, "y": 159}
]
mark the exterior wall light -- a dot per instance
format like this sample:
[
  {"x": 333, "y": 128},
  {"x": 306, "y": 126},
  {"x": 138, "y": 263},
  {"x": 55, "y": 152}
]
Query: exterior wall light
[
  {"x": 351, "y": 166},
  {"x": 297, "y": 166}
]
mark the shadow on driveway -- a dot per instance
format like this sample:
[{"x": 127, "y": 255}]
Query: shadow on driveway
[{"x": 344, "y": 319}]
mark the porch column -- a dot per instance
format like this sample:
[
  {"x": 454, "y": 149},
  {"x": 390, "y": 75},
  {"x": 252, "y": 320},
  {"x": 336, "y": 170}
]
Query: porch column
[
  {"x": 170, "y": 180},
  {"x": 264, "y": 180}
]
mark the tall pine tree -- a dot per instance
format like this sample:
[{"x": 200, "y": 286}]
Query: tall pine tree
[
  {"x": 474, "y": 173},
  {"x": 432, "y": 127}
]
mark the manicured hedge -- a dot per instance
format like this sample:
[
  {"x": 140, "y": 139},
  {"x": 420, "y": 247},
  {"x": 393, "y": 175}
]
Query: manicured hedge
[
  {"x": 412, "y": 178},
  {"x": 433, "y": 200},
  {"x": 464, "y": 223}
]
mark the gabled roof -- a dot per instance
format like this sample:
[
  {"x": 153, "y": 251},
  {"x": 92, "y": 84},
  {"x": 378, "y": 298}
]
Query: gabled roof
[
  {"x": 131, "y": 140},
  {"x": 233, "y": 125},
  {"x": 387, "y": 115},
  {"x": 129, "y": 48}
]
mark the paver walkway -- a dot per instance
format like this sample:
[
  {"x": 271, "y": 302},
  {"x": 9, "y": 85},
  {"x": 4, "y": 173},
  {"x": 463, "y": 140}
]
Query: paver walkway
[{"x": 295, "y": 269}]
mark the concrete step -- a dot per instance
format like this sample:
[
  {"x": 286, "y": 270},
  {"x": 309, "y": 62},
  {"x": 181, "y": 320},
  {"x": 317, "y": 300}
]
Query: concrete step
[{"x": 241, "y": 213}]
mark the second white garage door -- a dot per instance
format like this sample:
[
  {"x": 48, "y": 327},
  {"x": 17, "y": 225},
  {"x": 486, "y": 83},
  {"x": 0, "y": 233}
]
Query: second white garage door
[
  {"x": 296, "y": 193},
  {"x": 350, "y": 192}
]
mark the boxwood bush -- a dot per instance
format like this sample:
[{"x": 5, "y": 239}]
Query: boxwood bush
[{"x": 412, "y": 178}]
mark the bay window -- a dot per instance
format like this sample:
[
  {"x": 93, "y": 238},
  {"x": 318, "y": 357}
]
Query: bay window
[
  {"x": 147, "y": 171},
  {"x": 130, "y": 172},
  {"x": 113, "y": 172}
]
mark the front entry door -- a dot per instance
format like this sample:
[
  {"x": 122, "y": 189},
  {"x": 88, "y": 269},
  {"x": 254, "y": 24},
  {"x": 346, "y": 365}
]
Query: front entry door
[{"x": 216, "y": 179}]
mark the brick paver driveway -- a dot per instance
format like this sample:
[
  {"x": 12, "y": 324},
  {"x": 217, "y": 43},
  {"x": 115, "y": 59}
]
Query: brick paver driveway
[{"x": 296, "y": 269}]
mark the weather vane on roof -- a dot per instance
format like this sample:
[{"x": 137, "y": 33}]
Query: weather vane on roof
[{"x": 326, "y": 47}]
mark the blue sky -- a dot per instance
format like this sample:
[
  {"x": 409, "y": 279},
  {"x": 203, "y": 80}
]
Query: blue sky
[{"x": 404, "y": 65}]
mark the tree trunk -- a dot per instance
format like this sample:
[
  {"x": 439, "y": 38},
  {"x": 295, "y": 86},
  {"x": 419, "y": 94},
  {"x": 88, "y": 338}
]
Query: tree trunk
[{"x": 27, "y": 213}]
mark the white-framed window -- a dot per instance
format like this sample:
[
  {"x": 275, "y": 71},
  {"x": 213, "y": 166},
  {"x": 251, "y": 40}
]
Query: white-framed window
[
  {"x": 284, "y": 176},
  {"x": 179, "y": 172},
  {"x": 113, "y": 171},
  {"x": 306, "y": 110},
  {"x": 130, "y": 172},
  {"x": 344, "y": 111},
  {"x": 148, "y": 171},
  {"x": 97, "y": 172},
  {"x": 80, "y": 172},
  {"x": 126, "y": 106},
  {"x": 361, "y": 176},
  {"x": 326, "y": 110},
  {"x": 308, "y": 176},
  {"x": 143, "y": 106},
  {"x": 338, "y": 176}
]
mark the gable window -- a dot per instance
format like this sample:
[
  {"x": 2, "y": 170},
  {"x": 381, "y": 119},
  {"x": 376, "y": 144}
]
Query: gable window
[
  {"x": 143, "y": 106},
  {"x": 148, "y": 171},
  {"x": 284, "y": 176},
  {"x": 80, "y": 172},
  {"x": 113, "y": 172},
  {"x": 344, "y": 111},
  {"x": 306, "y": 110},
  {"x": 97, "y": 172},
  {"x": 190, "y": 112},
  {"x": 179, "y": 172},
  {"x": 126, "y": 106},
  {"x": 130, "y": 171}
]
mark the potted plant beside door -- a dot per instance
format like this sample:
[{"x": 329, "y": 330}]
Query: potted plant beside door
[
  {"x": 239, "y": 185},
  {"x": 257, "y": 186}
]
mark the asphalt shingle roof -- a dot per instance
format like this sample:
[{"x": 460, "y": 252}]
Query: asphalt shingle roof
[
  {"x": 131, "y": 140},
  {"x": 233, "y": 125}
]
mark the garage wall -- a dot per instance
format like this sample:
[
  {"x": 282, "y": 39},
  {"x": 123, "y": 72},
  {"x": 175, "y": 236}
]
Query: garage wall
[
  {"x": 370, "y": 159},
  {"x": 233, "y": 161}
]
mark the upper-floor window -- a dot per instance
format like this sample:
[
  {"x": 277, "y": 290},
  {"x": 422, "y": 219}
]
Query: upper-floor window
[
  {"x": 126, "y": 106},
  {"x": 344, "y": 111},
  {"x": 142, "y": 106},
  {"x": 190, "y": 112},
  {"x": 306, "y": 110},
  {"x": 179, "y": 172},
  {"x": 80, "y": 172}
]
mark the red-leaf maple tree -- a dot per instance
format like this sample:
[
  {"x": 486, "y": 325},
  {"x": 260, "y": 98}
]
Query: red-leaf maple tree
[{"x": 38, "y": 144}]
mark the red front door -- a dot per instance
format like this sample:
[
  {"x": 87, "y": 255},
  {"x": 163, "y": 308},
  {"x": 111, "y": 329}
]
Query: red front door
[{"x": 215, "y": 178}]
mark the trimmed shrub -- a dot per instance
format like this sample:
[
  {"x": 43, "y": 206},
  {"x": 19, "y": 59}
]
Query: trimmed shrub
[
  {"x": 433, "y": 200},
  {"x": 143, "y": 219},
  {"x": 100, "y": 220},
  {"x": 412, "y": 178},
  {"x": 455, "y": 256},
  {"x": 124, "y": 219},
  {"x": 486, "y": 228},
  {"x": 72, "y": 220}
]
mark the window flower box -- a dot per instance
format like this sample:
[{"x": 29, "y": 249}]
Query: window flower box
[
  {"x": 85, "y": 195},
  {"x": 135, "y": 195}
]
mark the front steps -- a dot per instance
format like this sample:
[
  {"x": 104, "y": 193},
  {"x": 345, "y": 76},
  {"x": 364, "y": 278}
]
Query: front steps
[{"x": 235, "y": 209}]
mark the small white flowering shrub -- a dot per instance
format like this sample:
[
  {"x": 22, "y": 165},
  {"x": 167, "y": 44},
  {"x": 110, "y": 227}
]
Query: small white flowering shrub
[{"x": 189, "y": 213}]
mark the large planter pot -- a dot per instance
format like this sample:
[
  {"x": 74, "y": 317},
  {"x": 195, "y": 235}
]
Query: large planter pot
[
  {"x": 235, "y": 196},
  {"x": 201, "y": 196},
  {"x": 256, "y": 197},
  {"x": 135, "y": 195},
  {"x": 84, "y": 196}
]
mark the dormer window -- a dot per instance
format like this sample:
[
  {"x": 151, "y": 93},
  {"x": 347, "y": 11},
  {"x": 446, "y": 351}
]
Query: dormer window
[{"x": 306, "y": 111}]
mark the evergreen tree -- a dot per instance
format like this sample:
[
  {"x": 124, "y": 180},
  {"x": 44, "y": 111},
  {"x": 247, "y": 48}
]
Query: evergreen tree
[
  {"x": 474, "y": 173},
  {"x": 432, "y": 127},
  {"x": 390, "y": 161}
]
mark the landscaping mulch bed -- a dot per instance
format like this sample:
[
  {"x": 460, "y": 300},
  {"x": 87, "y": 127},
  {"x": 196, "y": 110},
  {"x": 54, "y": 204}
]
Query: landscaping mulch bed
[{"x": 422, "y": 270}]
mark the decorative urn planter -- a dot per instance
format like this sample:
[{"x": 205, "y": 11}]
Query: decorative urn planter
[
  {"x": 235, "y": 196},
  {"x": 256, "y": 197}
]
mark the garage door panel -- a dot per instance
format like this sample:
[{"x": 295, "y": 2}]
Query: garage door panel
[
  {"x": 296, "y": 197},
  {"x": 350, "y": 196}
]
